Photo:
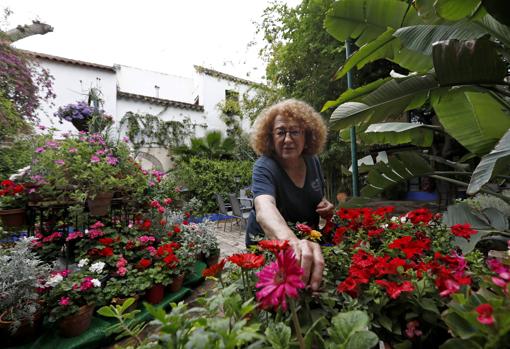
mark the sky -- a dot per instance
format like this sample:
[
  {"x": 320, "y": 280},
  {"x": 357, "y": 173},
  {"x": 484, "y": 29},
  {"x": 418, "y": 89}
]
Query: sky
[{"x": 166, "y": 36}]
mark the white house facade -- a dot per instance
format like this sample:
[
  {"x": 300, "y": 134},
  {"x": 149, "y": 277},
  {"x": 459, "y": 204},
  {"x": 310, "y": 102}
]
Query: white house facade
[{"x": 127, "y": 89}]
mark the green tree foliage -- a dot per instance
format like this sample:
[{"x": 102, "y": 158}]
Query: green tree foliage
[
  {"x": 14, "y": 156},
  {"x": 212, "y": 146},
  {"x": 205, "y": 177}
]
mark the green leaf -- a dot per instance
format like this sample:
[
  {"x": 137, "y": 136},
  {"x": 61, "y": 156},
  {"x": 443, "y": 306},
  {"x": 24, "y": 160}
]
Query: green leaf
[
  {"x": 362, "y": 340},
  {"x": 389, "y": 100},
  {"x": 279, "y": 335},
  {"x": 346, "y": 324},
  {"x": 499, "y": 31},
  {"x": 498, "y": 159},
  {"x": 496, "y": 218},
  {"x": 365, "y": 20},
  {"x": 459, "y": 326},
  {"x": 456, "y": 343},
  {"x": 106, "y": 311},
  {"x": 476, "y": 119},
  {"x": 498, "y": 9},
  {"x": 454, "y": 10},
  {"x": 429, "y": 304},
  {"x": 468, "y": 62},
  {"x": 421, "y": 38},
  {"x": 352, "y": 94},
  {"x": 381, "y": 47},
  {"x": 399, "y": 133},
  {"x": 127, "y": 303}
]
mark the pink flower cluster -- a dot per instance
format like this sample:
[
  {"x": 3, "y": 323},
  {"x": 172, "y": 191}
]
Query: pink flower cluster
[
  {"x": 121, "y": 266},
  {"x": 503, "y": 272},
  {"x": 74, "y": 235},
  {"x": 145, "y": 239},
  {"x": 95, "y": 230}
]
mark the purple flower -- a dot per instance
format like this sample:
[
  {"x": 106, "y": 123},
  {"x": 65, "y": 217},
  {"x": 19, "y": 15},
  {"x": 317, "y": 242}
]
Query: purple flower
[
  {"x": 60, "y": 162},
  {"x": 52, "y": 144},
  {"x": 40, "y": 150},
  {"x": 94, "y": 159},
  {"x": 73, "y": 150},
  {"x": 126, "y": 140},
  {"x": 112, "y": 160},
  {"x": 101, "y": 152}
]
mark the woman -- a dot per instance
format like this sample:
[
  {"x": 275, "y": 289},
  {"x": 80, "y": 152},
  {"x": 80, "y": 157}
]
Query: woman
[{"x": 287, "y": 182}]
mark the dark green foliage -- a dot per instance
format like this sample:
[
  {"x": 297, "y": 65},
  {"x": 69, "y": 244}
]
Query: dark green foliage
[
  {"x": 14, "y": 156},
  {"x": 204, "y": 178}
]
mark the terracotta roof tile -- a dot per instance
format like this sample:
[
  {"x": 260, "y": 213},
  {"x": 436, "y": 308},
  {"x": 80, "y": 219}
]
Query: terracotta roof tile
[
  {"x": 69, "y": 61},
  {"x": 218, "y": 74}
]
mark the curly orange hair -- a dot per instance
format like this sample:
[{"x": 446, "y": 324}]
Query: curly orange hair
[{"x": 315, "y": 129}]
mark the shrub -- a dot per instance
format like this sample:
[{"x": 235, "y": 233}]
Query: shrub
[{"x": 204, "y": 178}]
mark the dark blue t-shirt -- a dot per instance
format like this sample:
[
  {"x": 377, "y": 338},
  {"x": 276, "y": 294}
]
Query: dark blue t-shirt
[{"x": 295, "y": 204}]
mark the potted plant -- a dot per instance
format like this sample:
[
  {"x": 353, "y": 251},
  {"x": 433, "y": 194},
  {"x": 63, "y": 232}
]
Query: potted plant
[
  {"x": 13, "y": 200},
  {"x": 21, "y": 273},
  {"x": 72, "y": 298}
]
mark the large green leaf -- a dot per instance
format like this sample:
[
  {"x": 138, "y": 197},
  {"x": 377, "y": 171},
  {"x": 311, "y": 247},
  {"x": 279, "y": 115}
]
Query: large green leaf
[
  {"x": 497, "y": 161},
  {"x": 468, "y": 62},
  {"x": 454, "y": 10},
  {"x": 495, "y": 29},
  {"x": 420, "y": 38},
  {"x": 399, "y": 133},
  {"x": 400, "y": 168},
  {"x": 389, "y": 100},
  {"x": 475, "y": 118},
  {"x": 498, "y": 9},
  {"x": 365, "y": 20}
]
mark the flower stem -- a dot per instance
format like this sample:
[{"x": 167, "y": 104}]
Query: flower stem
[{"x": 297, "y": 327}]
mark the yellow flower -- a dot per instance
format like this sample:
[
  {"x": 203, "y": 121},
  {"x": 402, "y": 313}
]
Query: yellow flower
[{"x": 315, "y": 235}]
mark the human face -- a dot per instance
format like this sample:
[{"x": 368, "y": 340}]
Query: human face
[{"x": 288, "y": 138}]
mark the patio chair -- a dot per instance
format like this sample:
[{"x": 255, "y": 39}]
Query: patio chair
[
  {"x": 224, "y": 210},
  {"x": 237, "y": 209}
]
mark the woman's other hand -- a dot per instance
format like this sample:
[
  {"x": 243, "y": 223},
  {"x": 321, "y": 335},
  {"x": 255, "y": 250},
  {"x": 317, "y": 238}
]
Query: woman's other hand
[{"x": 325, "y": 208}]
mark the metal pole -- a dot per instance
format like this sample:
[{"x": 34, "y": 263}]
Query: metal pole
[{"x": 354, "y": 157}]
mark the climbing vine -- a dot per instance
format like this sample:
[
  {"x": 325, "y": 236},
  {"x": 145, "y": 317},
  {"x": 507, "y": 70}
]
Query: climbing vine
[{"x": 146, "y": 130}]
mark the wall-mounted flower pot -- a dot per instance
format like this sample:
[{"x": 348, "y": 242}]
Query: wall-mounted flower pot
[
  {"x": 155, "y": 294},
  {"x": 77, "y": 323},
  {"x": 100, "y": 205},
  {"x": 13, "y": 218}
]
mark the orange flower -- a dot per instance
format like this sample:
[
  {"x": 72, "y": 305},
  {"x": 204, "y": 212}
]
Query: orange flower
[
  {"x": 214, "y": 269},
  {"x": 247, "y": 260}
]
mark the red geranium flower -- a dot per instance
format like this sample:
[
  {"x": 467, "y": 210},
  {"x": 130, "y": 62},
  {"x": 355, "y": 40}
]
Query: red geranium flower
[
  {"x": 421, "y": 215},
  {"x": 214, "y": 269},
  {"x": 463, "y": 231},
  {"x": 339, "y": 235},
  {"x": 106, "y": 241},
  {"x": 247, "y": 260},
  {"x": 394, "y": 289},
  {"x": 144, "y": 263},
  {"x": 303, "y": 227},
  {"x": 106, "y": 252},
  {"x": 274, "y": 246},
  {"x": 485, "y": 314}
]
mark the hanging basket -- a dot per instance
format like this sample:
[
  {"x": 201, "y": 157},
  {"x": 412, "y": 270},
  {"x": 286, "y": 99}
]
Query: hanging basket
[
  {"x": 14, "y": 218},
  {"x": 81, "y": 124},
  {"x": 77, "y": 323},
  {"x": 100, "y": 205},
  {"x": 155, "y": 294}
]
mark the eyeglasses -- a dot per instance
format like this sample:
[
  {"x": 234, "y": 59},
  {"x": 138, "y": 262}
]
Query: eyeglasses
[{"x": 281, "y": 133}]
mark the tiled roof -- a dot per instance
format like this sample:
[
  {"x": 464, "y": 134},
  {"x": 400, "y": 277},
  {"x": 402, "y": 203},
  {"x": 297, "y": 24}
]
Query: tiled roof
[
  {"x": 225, "y": 76},
  {"x": 160, "y": 101},
  {"x": 69, "y": 61}
]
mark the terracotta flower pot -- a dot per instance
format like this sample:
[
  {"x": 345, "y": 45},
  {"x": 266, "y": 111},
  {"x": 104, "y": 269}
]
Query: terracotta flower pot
[
  {"x": 77, "y": 323},
  {"x": 155, "y": 294},
  {"x": 176, "y": 284},
  {"x": 13, "y": 218},
  {"x": 100, "y": 205},
  {"x": 26, "y": 332}
]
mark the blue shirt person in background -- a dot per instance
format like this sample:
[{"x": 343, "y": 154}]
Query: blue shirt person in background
[{"x": 287, "y": 181}]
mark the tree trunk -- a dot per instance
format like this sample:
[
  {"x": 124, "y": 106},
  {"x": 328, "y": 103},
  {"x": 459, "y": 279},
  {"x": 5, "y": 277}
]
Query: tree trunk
[{"x": 21, "y": 32}]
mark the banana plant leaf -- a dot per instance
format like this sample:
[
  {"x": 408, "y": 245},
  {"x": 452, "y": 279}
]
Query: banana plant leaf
[
  {"x": 400, "y": 133},
  {"x": 389, "y": 100},
  {"x": 497, "y": 161},
  {"x": 468, "y": 62},
  {"x": 401, "y": 167},
  {"x": 475, "y": 118},
  {"x": 353, "y": 94},
  {"x": 365, "y": 20},
  {"x": 454, "y": 10},
  {"x": 498, "y": 9}
]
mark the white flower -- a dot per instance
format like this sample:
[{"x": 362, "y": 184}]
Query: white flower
[
  {"x": 54, "y": 280},
  {"x": 97, "y": 267},
  {"x": 86, "y": 231},
  {"x": 403, "y": 219},
  {"x": 384, "y": 226},
  {"x": 394, "y": 219},
  {"x": 83, "y": 262},
  {"x": 96, "y": 282}
]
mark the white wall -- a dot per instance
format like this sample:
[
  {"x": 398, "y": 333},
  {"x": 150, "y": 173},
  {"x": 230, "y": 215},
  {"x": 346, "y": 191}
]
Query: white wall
[
  {"x": 72, "y": 83},
  {"x": 142, "y": 82}
]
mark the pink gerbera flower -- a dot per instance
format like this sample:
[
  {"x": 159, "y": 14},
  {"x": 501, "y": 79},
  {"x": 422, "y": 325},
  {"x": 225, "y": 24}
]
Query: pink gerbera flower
[{"x": 278, "y": 280}]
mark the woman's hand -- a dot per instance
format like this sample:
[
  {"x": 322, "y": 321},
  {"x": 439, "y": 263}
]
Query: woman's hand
[
  {"x": 309, "y": 255},
  {"x": 325, "y": 208}
]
